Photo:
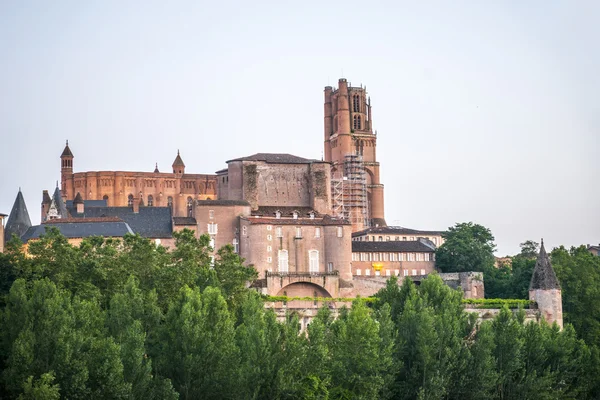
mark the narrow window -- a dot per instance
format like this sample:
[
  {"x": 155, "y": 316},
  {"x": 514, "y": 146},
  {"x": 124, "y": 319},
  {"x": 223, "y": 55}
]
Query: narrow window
[
  {"x": 269, "y": 237},
  {"x": 405, "y": 272},
  {"x": 313, "y": 257},
  {"x": 278, "y": 232},
  {"x": 190, "y": 207},
  {"x": 211, "y": 214},
  {"x": 244, "y": 230},
  {"x": 105, "y": 198},
  {"x": 367, "y": 272},
  {"x": 312, "y": 215},
  {"x": 295, "y": 215},
  {"x": 317, "y": 232},
  {"x": 330, "y": 267},
  {"x": 236, "y": 245},
  {"x": 130, "y": 200},
  {"x": 212, "y": 228},
  {"x": 298, "y": 232},
  {"x": 422, "y": 272},
  {"x": 358, "y": 272},
  {"x": 396, "y": 272},
  {"x": 150, "y": 200},
  {"x": 282, "y": 259},
  {"x": 387, "y": 238},
  {"x": 269, "y": 249},
  {"x": 169, "y": 201},
  {"x": 381, "y": 238},
  {"x": 277, "y": 214},
  {"x": 414, "y": 272},
  {"x": 340, "y": 231}
]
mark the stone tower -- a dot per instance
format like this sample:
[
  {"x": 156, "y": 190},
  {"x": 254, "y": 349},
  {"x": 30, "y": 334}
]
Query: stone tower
[
  {"x": 66, "y": 172},
  {"x": 2, "y": 216},
  {"x": 545, "y": 289},
  {"x": 349, "y": 132}
]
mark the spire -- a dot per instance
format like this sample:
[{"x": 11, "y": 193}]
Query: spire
[
  {"x": 178, "y": 161},
  {"x": 156, "y": 171},
  {"x": 18, "y": 221},
  {"x": 543, "y": 276},
  {"x": 57, "y": 207},
  {"x": 67, "y": 151}
]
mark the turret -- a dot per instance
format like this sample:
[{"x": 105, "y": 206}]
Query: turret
[
  {"x": 545, "y": 289},
  {"x": 18, "y": 221},
  {"x": 66, "y": 171},
  {"x": 178, "y": 166},
  {"x": 46, "y": 201},
  {"x": 343, "y": 114}
]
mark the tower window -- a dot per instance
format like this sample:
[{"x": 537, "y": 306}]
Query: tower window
[
  {"x": 130, "y": 200},
  {"x": 150, "y": 200},
  {"x": 356, "y": 103},
  {"x": 356, "y": 122},
  {"x": 169, "y": 201}
]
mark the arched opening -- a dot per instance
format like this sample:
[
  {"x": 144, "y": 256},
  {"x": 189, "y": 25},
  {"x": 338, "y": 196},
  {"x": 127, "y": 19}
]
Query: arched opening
[
  {"x": 190, "y": 207},
  {"x": 150, "y": 200},
  {"x": 130, "y": 200},
  {"x": 304, "y": 289}
]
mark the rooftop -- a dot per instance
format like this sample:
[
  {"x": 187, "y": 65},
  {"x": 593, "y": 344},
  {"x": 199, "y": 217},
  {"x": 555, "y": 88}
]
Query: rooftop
[
  {"x": 276, "y": 158},
  {"x": 392, "y": 246},
  {"x": 397, "y": 230}
]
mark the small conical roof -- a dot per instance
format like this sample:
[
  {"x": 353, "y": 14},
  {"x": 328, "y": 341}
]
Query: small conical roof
[
  {"x": 178, "y": 161},
  {"x": 18, "y": 221},
  {"x": 67, "y": 151},
  {"x": 543, "y": 274},
  {"x": 78, "y": 199}
]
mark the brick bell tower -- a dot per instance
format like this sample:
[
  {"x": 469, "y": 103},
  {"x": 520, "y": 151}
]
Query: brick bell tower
[{"x": 349, "y": 132}]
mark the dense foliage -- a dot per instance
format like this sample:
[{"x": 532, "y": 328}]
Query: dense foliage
[{"x": 128, "y": 320}]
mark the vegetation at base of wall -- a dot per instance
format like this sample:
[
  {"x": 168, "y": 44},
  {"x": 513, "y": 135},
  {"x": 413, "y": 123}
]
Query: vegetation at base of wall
[
  {"x": 498, "y": 303},
  {"x": 319, "y": 299},
  {"x": 126, "y": 319}
]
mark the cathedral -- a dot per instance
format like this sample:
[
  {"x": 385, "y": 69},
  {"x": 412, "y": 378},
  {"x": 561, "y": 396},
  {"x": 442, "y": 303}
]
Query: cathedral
[{"x": 311, "y": 228}]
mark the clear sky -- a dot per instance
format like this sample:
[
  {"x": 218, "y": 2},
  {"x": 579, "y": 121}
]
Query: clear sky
[{"x": 486, "y": 111}]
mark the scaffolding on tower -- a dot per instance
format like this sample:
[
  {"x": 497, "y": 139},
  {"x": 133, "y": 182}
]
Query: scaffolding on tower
[{"x": 349, "y": 192}]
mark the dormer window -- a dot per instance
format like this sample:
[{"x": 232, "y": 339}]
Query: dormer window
[
  {"x": 277, "y": 214},
  {"x": 295, "y": 215},
  {"x": 312, "y": 215}
]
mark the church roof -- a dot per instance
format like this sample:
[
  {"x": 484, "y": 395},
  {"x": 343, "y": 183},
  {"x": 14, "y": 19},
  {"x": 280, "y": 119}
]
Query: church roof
[
  {"x": 276, "y": 158},
  {"x": 67, "y": 151},
  {"x": 178, "y": 161},
  {"x": 399, "y": 246},
  {"x": 18, "y": 221},
  {"x": 395, "y": 230},
  {"x": 543, "y": 274},
  {"x": 82, "y": 229},
  {"x": 60, "y": 204}
]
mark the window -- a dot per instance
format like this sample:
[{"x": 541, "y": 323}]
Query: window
[
  {"x": 367, "y": 272},
  {"x": 282, "y": 259},
  {"x": 393, "y": 257},
  {"x": 381, "y": 238},
  {"x": 385, "y": 256},
  {"x": 388, "y": 272},
  {"x": 130, "y": 200},
  {"x": 377, "y": 273},
  {"x": 363, "y": 257},
  {"x": 244, "y": 230},
  {"x": 105, "y": 198},
  {"x": 317, "y": 232},
  {"x": 278, "y": 214},
  {"x": 278, "y": 232},
  {"x": 330, "y": 267},
  {"x": 313, "y": 258},
  {"x": 427, "y": 257},
  {"x": 236, "y": 245},
  {"x": 295, "y": 215},
  {"x": 269, "y": 249},
  {"x": 212, "y": 228},
  {"x": 375, "y": 256},
  {"x": 396, "y": 272},
  {"x": 269, "y": 227},
  {"x": 312, "y": 215},
  {"x": 190, "y": 207},
  {"x": 387, "y": 238},
  {"x": 356, "y": 103},
  {"x": 405, "y": 272},
  {"x": 403, "y": 237},
  {"x": 169, "y": 201},
  {"x": 358, "y": 272},
  {"x": 402, "y": 256},
  {"x": 340, "y": 231},
  {"x": 150, "y": 200},
  {"x": 414, "y": 272},
  {"x": 298, "y": 232},
  {"x": 422, "y": 272},
  {"x": 212, "y": 243},
  {"x": 397, "y": 238},
  {"x": 269, "y": 259},
  {"x": 354, "y": 256},
  {"x": 419, "y": 256},
  {"x": 211, "y": 214}
]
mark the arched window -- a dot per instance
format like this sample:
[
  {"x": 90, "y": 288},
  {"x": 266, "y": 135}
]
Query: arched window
[
  {"x": 130, "y": 200},
  {"x": 105, "y": 198},
  {"x": 356, "y": 103},
  {"x": 355, "y": 122},
  {"x": 282, "y": 259},
  {"x": 150, "y": 200},
  {"x": 313, "y": 257},
  {"x": 169, "y": 201},
  {"x": 190, "y": 207}
]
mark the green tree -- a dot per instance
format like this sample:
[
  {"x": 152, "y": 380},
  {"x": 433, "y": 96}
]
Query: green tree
[
  {"x": 467, "y": 247},
  {"x": 41, "y": 389},
  {"x": 529, "y": 249},
  {"x": 232, "y": 274}
]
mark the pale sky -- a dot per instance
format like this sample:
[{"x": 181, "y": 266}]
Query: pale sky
[{"x": 486, "y": 111}]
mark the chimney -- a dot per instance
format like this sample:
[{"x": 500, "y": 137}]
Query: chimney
[
  {"x": 78, "y": 203},
  {"x": 136, "y": 205}
]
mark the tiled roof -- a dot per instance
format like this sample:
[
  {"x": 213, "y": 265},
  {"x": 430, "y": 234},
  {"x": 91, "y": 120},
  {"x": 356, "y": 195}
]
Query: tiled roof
[
  {"x": 286, "y": 212},
  {"x": 276, "y": 158},
  {"x": 60, "y": 204},
  {"x": 184, "y": 221},
  {"x": 80, "y": 230},
  {"x": 392, "y": 246},
  {"x": 395, "y": 230},
  {"x": 543, "y": 276},
  {"x": 326, "y": 220},
  {"x": 221, "y": 171},
  {"x": 178, "y": 161},
  {"x": 18, "y": 221},
  {"x": 150, "y": 222},
  {"x": 67, "y": 151},
  {"x": 222, "y": 203},
  {"x": 82, "y": 220}
]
